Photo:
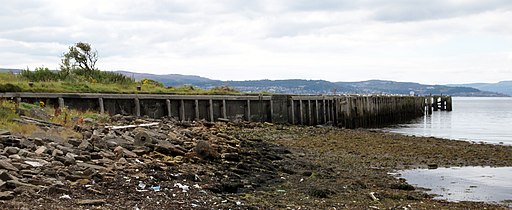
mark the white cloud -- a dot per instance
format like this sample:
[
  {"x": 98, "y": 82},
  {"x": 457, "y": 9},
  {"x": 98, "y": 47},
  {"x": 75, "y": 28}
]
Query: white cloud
[{"x": 230, "y": 39}]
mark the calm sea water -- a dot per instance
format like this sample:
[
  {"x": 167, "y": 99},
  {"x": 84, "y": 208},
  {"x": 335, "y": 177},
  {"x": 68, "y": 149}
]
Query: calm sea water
[
  {"x": 464, "y": 183},
  {"x": 472, "y": 119}
]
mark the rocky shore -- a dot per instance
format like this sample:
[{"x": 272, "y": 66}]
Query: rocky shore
[{"x": 165, "y": 164}]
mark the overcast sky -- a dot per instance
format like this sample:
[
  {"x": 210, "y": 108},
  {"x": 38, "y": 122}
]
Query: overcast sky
[{"x": 427, "y": 41}]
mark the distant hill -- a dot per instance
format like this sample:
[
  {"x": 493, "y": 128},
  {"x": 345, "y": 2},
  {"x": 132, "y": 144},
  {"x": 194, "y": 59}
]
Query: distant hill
[
  {"x": 392, "y": 87},
  {"x": 173, "y": 79},
  {"x": 300, "y": 86},
  {"x": 16, "y": 71},
  {"x": 504, "y": 87}
]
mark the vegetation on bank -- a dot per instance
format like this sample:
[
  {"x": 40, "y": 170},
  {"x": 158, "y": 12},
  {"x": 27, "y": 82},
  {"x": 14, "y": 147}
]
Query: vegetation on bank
[
  {"x": 78, "y": 74},
  {"x": 10, "y": 118}
]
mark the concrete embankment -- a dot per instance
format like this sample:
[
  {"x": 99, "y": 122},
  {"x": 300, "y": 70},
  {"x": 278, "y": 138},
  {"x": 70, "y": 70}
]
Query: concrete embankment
[{"x": 342, "y": 110}]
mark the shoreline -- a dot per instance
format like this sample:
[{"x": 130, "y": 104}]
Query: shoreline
[
  {"x": 247, "y": 166},
  {"x": 445, "y": 138}
]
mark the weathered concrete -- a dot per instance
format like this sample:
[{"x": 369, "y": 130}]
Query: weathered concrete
[{"x": 341, "y": 110}]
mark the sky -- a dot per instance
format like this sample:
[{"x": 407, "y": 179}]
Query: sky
[{"x": 426, "y": 41}]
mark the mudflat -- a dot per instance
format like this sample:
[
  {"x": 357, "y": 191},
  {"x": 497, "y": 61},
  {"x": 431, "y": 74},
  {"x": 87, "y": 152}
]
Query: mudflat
[{"x": 242, "y": 165}]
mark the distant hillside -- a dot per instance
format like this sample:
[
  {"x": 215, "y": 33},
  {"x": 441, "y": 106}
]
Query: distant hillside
[
  {"x": 300, "y": 86},
  {"x": 16, "y": 71},
  {"x": 172, "y": 79},
  {"x": 391, "y": 87},
  {"x": 504, "y": 87}
]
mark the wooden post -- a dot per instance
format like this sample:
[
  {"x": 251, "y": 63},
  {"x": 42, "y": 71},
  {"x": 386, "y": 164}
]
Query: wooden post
[
  {"x": 137, "y": 107},
  {"x": 271, "y": 111},
  {"x": 182, "y": 110},
  {"x": 429, "y": 105},
  {"x": 310, "y": 116},
  {"x": 224, "y": 109},
  {"x": 324, "y": 110},
  {"x": 210, "y": 106},
  {"x": 435, "y": 105},
  {"x": 317, "y": 112},
  {"x": 248, "y": 110},
  {"x": 168, "y": 104},
  {"x": 449, "y": 104},
  {"x": 301, "y": 110},
  {"x": 293, "y": 111},
  {"x": 18, "y": 103},
  {"x": 102, "y": 105},
  {"x": 196, "y": 109},
  {"x": 61, "y": 103},
  {"x": 328, "y": 110}
]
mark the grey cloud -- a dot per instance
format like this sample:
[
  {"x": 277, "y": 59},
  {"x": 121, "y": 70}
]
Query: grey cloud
[{"x": 405, "y": 10}]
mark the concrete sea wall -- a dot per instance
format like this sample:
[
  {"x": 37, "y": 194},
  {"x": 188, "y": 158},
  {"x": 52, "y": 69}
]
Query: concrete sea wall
[{"x": 341, "y": 110}]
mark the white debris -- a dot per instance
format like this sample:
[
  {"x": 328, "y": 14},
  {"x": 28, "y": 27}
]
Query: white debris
[
  {"x": 65, "y": 197},
  {"x": 183, "y": 187},
  {"x": 34, "y": 163}
]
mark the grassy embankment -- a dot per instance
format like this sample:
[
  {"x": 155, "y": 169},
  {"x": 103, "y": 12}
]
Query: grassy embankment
[
  {"x": 9, "y": 82},
  {"x": 15, "y": 83}
]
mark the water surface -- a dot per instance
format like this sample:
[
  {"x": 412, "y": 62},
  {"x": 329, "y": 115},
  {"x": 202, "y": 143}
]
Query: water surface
[
  {"x": 472, "y": 119},
  {"x": 484, "y": 184}
]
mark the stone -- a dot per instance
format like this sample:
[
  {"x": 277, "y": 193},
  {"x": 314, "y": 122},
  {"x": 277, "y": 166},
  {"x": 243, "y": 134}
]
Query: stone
[
  {"x": 17, "y": 184},
  {"x": 203, "y": 149},
  {"x": 65, "y": 160},
  {"x": 11, "y": 150},
  {"x": 142, "y": 137},
  {"x": 91, "y": 201},
  {"x": 6, "y": 176},
  {"x": 75, "y": 142},
  {"x": 122, "y": 152},
  {"x": 57, "y": 152},
  {"x": 87, "y": 165},
  {"x": 85, "y": 145},
  {"x": 25, "y": 153},
  {"x": 4, "y": 164},
  {"x": 10, "y": 141},
  {"x": 231, "y": 156},
  {"x": 170, "y": 149},
  {"x": 15, "y": 157},
  {"x": 40, "y": 150},
  {"x": 6, "y": 195}
]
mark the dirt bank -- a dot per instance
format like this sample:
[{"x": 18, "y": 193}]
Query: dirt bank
[{"x": 228, "y": 165}]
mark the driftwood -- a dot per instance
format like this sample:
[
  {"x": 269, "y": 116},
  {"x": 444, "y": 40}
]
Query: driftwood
[
  {"x": 131, "y": 126},
  {"x": 25, "y": 119}
]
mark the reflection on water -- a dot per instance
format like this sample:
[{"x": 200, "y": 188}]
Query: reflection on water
[
  {"x": 464, "y": 183},
  {"x": 472, "y": 118}
]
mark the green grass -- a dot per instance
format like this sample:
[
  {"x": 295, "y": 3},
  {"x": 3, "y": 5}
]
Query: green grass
[{"x": 14, "y": 83}]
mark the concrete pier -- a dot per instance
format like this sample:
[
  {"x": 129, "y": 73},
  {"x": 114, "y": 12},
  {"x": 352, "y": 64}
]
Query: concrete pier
[{"x": 349, "y": 111}]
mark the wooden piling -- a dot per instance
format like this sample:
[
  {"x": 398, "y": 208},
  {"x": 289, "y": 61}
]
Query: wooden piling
[
  {"x": 182, "y": 110},
  {"x": 292, "y": 106},
  {"x": 248, "y": 110},
  {"x": 137, "y": 107},
  {"x": 196, "y": 109},
  {"x": 210, "y": 108},
  {"x": 301, "y": 111},
  {"x": 449, "y": 104},
  {"x": 224, "y": 109},
  {"x": 168, "y": 106},
  {"x": 102, "y": 105}
]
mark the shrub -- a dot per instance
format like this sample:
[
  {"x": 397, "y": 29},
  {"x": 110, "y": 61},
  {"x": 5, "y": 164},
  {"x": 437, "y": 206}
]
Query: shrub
[{"x": 10, "y": 88}]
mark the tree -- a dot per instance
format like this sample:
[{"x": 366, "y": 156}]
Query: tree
[{"x": 80, "y": 56}]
